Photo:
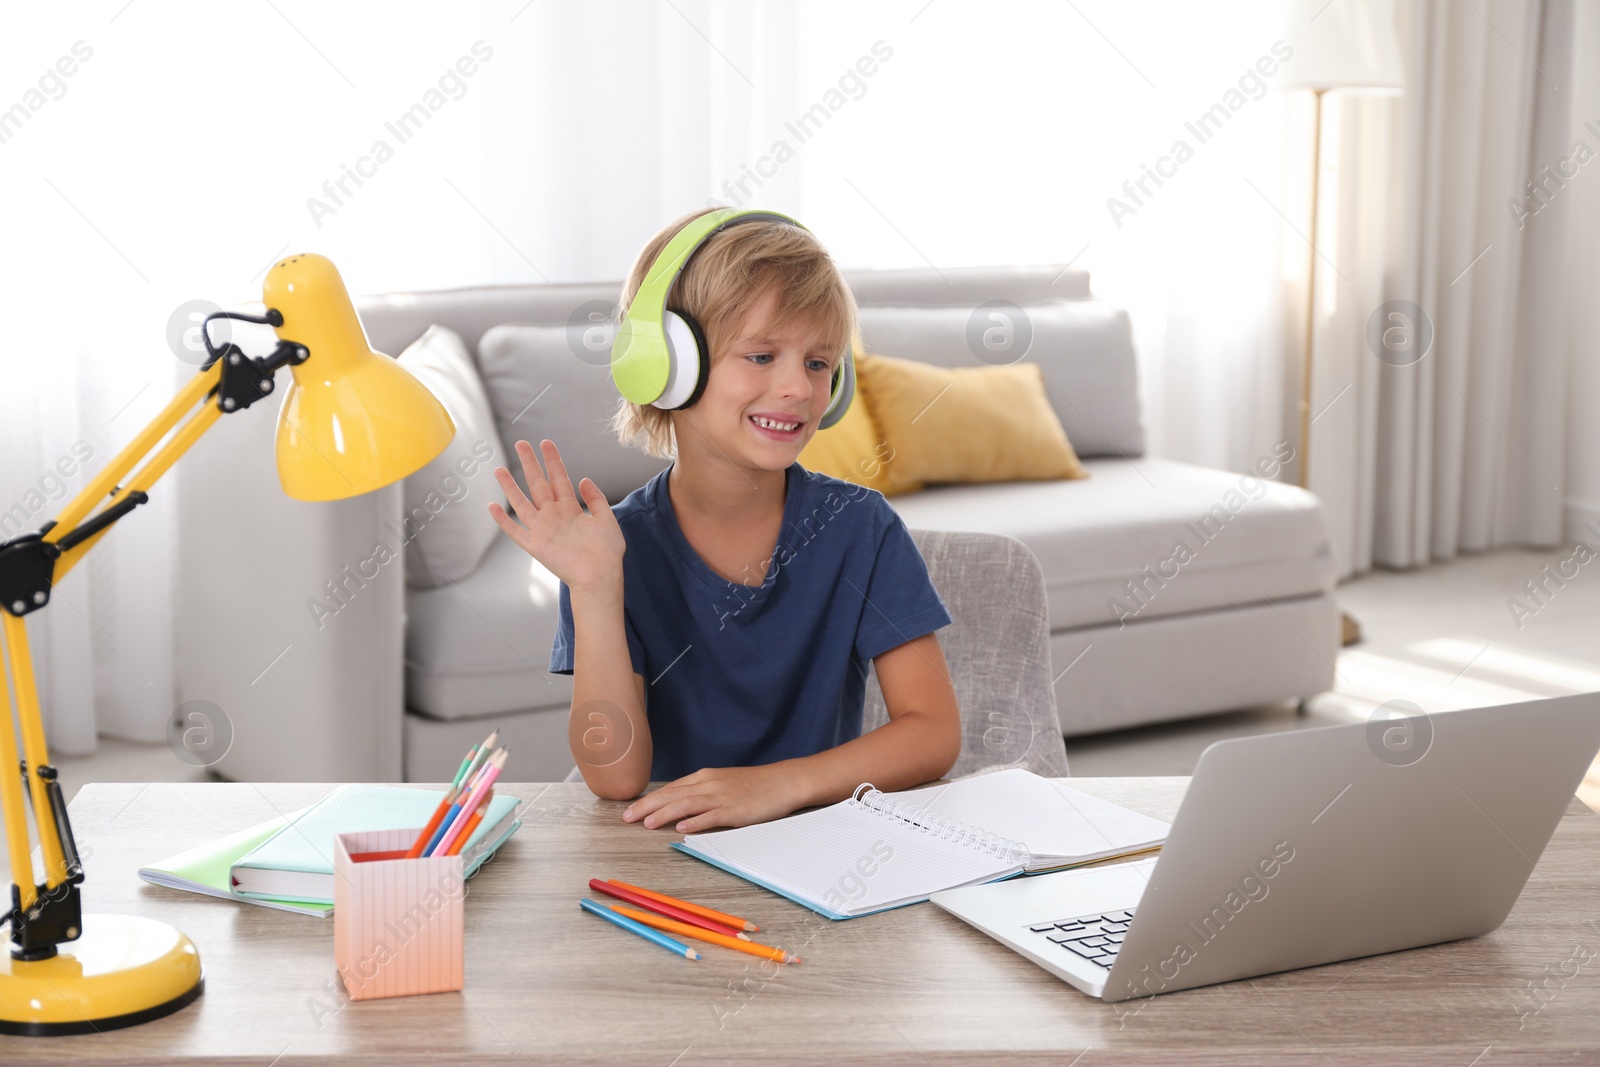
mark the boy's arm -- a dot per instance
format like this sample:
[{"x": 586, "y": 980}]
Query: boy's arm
[
  {"x": 919, "y": 743},
  {"x": 606, "y": 728}
]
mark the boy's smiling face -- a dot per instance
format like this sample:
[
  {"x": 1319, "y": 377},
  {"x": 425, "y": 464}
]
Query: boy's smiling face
[{"x": 775, "y": 374}]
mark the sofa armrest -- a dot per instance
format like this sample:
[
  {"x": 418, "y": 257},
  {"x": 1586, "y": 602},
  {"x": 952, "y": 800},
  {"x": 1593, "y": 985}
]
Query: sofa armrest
[{"x": 289, "y": 615}]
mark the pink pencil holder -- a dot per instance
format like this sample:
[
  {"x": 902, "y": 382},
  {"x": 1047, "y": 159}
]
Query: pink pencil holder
[{"x": 398, "y": 924}]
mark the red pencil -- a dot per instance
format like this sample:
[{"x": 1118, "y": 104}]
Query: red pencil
[
  {"x": 699, "y": 909},
  {"x": 670, "y": 911}
]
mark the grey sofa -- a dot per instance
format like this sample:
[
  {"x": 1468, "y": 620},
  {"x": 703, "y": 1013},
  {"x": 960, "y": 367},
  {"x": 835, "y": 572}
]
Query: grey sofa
[{"x": 401, "y": 681}]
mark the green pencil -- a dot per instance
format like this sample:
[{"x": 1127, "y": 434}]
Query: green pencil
[{"x": 461, "y": 770}]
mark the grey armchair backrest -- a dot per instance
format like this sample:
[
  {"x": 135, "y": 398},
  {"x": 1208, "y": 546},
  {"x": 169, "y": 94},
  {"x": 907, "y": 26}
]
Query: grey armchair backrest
[{"x": 998, "y": 650}]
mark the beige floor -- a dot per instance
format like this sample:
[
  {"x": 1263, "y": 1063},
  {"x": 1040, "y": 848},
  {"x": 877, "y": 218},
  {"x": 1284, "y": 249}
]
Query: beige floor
[{"x": 1441, "y": 636}]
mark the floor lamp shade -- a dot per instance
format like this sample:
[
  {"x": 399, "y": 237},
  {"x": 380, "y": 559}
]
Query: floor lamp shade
[
  {"x": 1348, "y": 45},
  {"x": 354, "y": 420}
]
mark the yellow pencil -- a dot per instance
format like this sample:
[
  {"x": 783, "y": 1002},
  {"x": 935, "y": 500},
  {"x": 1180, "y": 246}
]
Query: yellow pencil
[{"x": 685, "y": 930}]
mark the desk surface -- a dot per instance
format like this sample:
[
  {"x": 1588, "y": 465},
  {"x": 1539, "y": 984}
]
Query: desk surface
[{"x": 547, "y": 984}]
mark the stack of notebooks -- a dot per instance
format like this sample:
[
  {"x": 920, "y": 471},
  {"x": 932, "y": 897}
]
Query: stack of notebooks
[
  {"x": 287, "y": 862},
  {"x": 877, "y": 851}
]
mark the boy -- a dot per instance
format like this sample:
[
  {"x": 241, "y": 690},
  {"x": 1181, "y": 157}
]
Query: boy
[{"x": 750, "y": 592}]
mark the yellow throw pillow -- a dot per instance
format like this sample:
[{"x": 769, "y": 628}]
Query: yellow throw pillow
[
  {"x": 968, "y": 424},
  {"x": 855, "y": 450}
]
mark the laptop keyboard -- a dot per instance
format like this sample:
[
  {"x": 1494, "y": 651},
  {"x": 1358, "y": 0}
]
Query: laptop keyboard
[{"x": 1096, "y": 938}]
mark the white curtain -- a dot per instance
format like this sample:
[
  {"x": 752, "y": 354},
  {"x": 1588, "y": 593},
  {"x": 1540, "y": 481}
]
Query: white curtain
[
  {"x": 1426, "y": 201},
  {"x": 1011, "y": 132}
]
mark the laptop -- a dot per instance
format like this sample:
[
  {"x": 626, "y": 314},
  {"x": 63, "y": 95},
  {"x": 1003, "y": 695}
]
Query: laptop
[{"x": 1312, "y": 846}]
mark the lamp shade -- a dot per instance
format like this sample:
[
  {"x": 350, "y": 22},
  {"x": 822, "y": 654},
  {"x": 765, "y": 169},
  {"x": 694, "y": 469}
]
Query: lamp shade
[
  {"x": 1343, "y": 44},
  {"x": 354, "y": 420}
]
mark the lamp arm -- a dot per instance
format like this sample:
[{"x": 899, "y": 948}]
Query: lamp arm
[{"x": 42, "y": 916}]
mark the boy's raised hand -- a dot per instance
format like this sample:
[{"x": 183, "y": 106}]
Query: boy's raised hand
[{"x": 581, "y": 549}]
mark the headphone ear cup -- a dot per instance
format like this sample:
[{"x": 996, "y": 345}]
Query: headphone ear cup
[
  {"x": 844, "y": 390},
  {"x": 688, "y": 358}
]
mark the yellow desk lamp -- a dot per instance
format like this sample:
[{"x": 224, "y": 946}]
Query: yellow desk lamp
[{"x": 353, "y": 421}]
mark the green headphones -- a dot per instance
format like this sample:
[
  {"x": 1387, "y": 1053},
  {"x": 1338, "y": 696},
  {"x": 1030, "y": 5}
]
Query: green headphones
[{"x": 661, "y": 357}]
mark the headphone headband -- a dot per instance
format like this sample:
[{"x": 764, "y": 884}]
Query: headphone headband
[{"x": 651, "y": 299}]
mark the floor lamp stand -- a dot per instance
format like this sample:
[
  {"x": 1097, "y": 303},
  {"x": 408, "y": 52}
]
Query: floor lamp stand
[{"x": 1350, "y": 629}]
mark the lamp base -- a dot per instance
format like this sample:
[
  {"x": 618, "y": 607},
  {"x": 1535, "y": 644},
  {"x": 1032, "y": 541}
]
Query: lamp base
[{"x": 124, "y": 970}]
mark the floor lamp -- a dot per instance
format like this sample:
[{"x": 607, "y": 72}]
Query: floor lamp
[
  {"x": 351, "y": 422},
  {"x": 1347, "y": 46}
]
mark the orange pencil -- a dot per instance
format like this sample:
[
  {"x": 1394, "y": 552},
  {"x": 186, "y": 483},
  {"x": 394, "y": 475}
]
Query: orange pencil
[
  {"x": 706, "y": 913},
  {"x": 450, "y": 797},
  {"x": 466, "y": 832},
  {"x": 685, "y": 930}
]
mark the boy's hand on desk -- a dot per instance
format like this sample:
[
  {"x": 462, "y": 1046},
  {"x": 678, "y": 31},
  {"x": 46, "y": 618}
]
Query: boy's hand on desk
[{"x": 722, "y": 796}]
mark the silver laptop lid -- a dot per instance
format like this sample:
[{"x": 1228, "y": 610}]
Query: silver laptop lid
[{"x": 1318, "y": 845}]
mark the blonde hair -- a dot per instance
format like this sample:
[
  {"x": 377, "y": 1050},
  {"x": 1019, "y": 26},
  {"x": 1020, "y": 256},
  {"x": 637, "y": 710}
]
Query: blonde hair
[{"x": 727, "y": 276}]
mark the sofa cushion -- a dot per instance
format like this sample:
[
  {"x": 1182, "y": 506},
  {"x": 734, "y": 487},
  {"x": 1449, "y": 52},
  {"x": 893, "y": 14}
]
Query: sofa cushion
[
  {"x": 967, "y": 424},
  {"x": 1084, "y": 346},
  {"x": 445, "y": 525},
  {"x": 481, "y": 645},
  {"x": 540, "y": 388},
  {"x": 1146, "y": 538}
]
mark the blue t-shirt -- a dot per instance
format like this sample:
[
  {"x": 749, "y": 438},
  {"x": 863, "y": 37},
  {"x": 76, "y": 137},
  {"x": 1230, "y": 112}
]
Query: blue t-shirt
[{"x": 743, "y": 675}]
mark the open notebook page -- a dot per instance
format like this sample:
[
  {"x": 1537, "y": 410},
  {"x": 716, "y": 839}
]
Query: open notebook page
[
  {"x": 1057, "y": 823},
  {"x": 848, "y": 859}
]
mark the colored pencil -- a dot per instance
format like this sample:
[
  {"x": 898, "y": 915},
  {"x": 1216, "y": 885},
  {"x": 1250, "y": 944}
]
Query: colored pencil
[
  {"x": 491, "y": 771},
  {"x": 673, "y": 926},
  {"x": 456, "y": 801},
  {"x": 699, "y": 909},
  {"x": 671, "y": 912},
  {"x": 643, "y": 931},
  {"x": 442, "y": 814},
  {"x": 433, "y": 824},
  {"x": 461, "y": 771},
  {"x": 485, "y": 750},
  {"x": 472, "y": 824}
]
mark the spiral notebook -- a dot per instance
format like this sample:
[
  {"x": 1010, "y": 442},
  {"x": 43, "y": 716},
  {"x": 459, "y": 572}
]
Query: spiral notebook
[{"x": 877, "y": 851}]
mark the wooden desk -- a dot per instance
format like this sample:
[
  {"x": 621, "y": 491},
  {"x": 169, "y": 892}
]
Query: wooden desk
[{"x": 547, "y": 984}]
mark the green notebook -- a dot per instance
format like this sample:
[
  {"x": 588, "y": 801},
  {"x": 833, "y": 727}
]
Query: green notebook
[
  {"x": 204, "y": 868},
  {"x": 296, "y": 863}
]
